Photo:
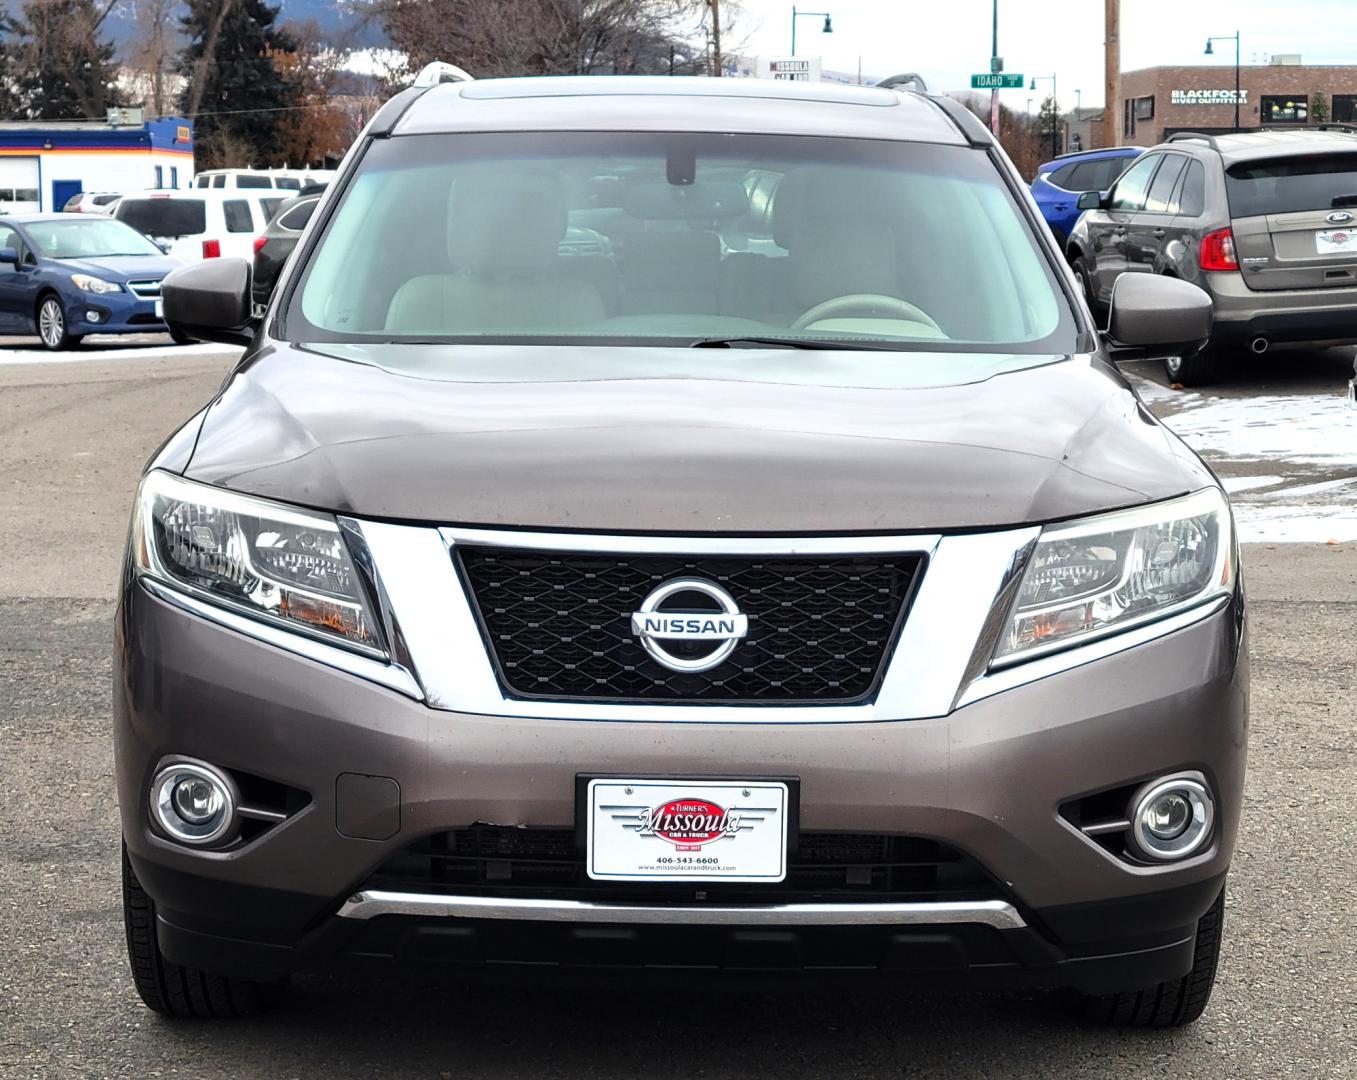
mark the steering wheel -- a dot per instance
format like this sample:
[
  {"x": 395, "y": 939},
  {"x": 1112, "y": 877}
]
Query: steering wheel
[{"x": 867, "y": 306}]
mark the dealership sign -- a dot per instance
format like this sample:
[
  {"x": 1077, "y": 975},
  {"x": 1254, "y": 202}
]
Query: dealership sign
[{"x": 1207, "y": 97}]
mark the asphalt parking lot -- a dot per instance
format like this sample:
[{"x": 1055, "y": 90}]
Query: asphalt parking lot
[{"x": 73, "y": 437}]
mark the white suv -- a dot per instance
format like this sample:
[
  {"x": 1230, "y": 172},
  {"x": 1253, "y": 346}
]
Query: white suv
[
  {"x": 255, "y": 179},
  {"x": 201, "y": 223}
]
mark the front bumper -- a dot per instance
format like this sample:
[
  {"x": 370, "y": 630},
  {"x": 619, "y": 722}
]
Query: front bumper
[
  {"x": 118, "y": 313},
  {"x": 987, "y": 779}
]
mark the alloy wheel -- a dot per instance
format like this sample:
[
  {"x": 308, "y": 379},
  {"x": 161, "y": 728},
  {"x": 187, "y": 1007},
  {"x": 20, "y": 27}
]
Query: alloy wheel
[{"x": 51, "y": 323}]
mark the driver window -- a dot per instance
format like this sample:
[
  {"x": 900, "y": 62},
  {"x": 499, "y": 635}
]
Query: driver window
[
  {"x": 1129, "y": 194},
  {"x": 8, "y": 238}
]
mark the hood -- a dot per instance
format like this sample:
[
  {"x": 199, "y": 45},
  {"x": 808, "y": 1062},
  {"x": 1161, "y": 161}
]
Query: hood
[
  {"x": 123, "y": 268},
  {"x": 688, "y": 441}
]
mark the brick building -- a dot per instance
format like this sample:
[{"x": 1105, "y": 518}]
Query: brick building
[{"x": 1156, "y": 102}]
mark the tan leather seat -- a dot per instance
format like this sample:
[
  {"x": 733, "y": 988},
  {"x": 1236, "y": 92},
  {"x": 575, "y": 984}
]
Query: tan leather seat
[{"x": 504, "y": 228}]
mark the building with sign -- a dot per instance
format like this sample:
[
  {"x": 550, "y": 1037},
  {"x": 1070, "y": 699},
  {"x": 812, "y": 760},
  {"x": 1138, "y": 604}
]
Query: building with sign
[
  {"x": 1156, "y": 102},
  {"x": 44, "y": 163}
]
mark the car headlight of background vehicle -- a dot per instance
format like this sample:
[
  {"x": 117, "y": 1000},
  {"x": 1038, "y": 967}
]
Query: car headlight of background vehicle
[
  {"x": 274, "y": 562},
  {"x": 1094, "y": 577},
  {"x": 94, "y": 284}
]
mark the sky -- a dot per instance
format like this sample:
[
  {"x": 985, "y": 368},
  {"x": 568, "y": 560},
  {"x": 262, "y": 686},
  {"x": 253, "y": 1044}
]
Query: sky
[{"x": 946, "y": 40}]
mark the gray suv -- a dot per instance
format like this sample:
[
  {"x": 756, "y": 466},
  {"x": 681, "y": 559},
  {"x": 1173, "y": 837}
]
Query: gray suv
[
  {"x": 786, "y": 581},
  {"x": 1264, "y": 222}
]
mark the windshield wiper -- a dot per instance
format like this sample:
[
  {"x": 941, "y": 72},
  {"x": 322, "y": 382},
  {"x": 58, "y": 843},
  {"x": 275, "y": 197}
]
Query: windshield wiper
[{"x": 745, "y": 341}]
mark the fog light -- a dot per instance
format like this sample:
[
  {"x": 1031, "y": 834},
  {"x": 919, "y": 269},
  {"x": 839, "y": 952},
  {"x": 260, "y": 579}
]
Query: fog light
[
  {"x": 92, "y": 316},
  {"x": 1171, "y": 819},
  {"x": 193, "y": 802}
]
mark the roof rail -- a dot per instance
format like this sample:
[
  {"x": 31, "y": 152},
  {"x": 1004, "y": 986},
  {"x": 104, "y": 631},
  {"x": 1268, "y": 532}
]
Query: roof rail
[
  {"x": 439, "y": 72},
  {"x": 906, "y": 80},
  {"x": 1348, "y": 129},
  {"x": 1194, "y": 136},
  {"x": 965, "y": 121}
]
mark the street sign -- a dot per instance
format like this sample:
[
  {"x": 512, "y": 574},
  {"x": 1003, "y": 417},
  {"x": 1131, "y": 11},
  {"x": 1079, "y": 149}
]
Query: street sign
[{"x": 997, "y": 81}]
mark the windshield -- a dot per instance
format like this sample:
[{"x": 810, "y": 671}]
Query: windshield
[
  {"x": 1292, "y": 185},
  {"x": 164, "y": 217},
  {"x": 675, "y": 238},
  {"x": 86, "y": 238}
]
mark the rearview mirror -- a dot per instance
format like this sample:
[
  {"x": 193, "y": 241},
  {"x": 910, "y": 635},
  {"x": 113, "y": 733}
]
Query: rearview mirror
[
  {"x": 9, "y": 255},
  {"x": 1091, "y": 200},
  {"x": 210, "y": 301},
  {"x": 1153, "y": 317}
]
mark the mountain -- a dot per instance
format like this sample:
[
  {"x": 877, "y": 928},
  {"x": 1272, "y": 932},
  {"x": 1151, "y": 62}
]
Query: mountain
[{"x": 337, "y": 20}]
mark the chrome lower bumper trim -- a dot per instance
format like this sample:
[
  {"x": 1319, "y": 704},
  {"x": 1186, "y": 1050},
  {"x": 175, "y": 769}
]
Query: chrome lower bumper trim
[{"x": 372, "y": 903}]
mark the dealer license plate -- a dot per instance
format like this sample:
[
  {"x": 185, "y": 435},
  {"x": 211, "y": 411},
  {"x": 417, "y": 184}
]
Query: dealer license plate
[
  {"x": 686, "y": 830},
  {"x": 1336, "y": 242},
  {"x": 160, "y": 309}
]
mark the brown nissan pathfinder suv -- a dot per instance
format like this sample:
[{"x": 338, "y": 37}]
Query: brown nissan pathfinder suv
[{"x": 672, "y": 524}]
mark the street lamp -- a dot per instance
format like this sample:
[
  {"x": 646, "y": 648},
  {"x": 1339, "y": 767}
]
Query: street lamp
[
  {"x": 1055, "y": 111},
  {"x": 828, "y": 28},
  {"x": 1210, "y": 52}
]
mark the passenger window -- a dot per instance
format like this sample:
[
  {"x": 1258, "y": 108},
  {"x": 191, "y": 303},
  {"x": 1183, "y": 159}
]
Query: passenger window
[
  {"x": 268, "y": 206},
  {"x": 1160, "y": 197},
  {"x": 244, "y": 180},
  {"x": 8, "y": 239},
  {"x": 238, "y": 217},
  {"x": 1192, "y": 201},
  {"x": 1129, "y": 193},
  {"x": 1063, "y": 177},
  {"x": 219, "y": 181}
]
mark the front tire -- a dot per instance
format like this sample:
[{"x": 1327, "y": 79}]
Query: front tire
[
  {"x": 52, "y": 326},
  {"x": 1200, "y": 369},
  {"x": 177, "y": 991},
  {"x": 1172, "y": 1004}
]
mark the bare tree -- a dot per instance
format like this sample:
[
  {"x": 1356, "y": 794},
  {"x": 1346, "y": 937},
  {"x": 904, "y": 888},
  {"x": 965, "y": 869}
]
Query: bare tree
[
  {"x": 153, "y": 50},
  {"x": 540, "y": 37}
]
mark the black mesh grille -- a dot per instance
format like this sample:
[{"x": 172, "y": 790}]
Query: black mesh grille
[
  {"x": 559, "y": 625},
  {"x": 548, "y": 863}
]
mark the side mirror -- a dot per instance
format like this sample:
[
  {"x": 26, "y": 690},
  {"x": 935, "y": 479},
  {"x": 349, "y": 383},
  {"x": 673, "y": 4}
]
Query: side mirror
[
  {"x": 1153, "y": 317},
  {"x": 210, "y": 301},
  {"x": 9, "y": 255},
  {"x": 1092, "y": 200}
]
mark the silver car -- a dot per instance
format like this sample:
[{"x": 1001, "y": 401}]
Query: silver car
[{"x": 1265, "y": 222}]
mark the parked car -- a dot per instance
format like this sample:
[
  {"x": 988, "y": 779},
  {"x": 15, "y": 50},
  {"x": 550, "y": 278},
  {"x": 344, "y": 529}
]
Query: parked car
[
  {"x": 195, "y": 224},
  {"x": 91, "y": 202},
  {"x": 1059, "y": 183},
  {"x": 790, "y": 618},
  {"x": 1265, "y": 222},
  {"x": 63, "y": 277},
  {"x": 281, "y": 179},
  {"x": 275, "y": 244}
]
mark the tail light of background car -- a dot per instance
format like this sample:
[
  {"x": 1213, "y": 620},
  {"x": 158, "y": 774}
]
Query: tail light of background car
[
  {"x": 211, "y": 249},
  {"x": 1217, "y": 251},
  {"x": 259, "y": 242}
]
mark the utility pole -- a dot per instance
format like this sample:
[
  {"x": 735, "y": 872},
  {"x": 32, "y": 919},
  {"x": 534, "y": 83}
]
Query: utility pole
[
  {"x": 1112, "y": 74},
  {"x": 716, "y": 37}
]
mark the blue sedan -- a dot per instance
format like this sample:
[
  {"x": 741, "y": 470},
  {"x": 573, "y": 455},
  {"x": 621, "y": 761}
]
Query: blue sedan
[
  {"x": 1060, "y": 182},
  {"x": 65, "y": 276}
]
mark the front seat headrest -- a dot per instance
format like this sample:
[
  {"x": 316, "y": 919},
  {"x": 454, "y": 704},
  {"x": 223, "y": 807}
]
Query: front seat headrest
[{"x": 505, "y": 220}]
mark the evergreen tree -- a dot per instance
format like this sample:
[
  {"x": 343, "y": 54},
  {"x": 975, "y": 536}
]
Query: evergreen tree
[
  {"x": 235, "y": 90},
  {"x": 1319, "y": 108},
  {"x": 59, "y": 66}
]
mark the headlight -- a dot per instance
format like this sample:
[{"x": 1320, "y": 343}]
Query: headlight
[
  {"x": 94, "y": 284},
  {"x": 1104, "y": 574},
  {"x": 273, "y": 562}
]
